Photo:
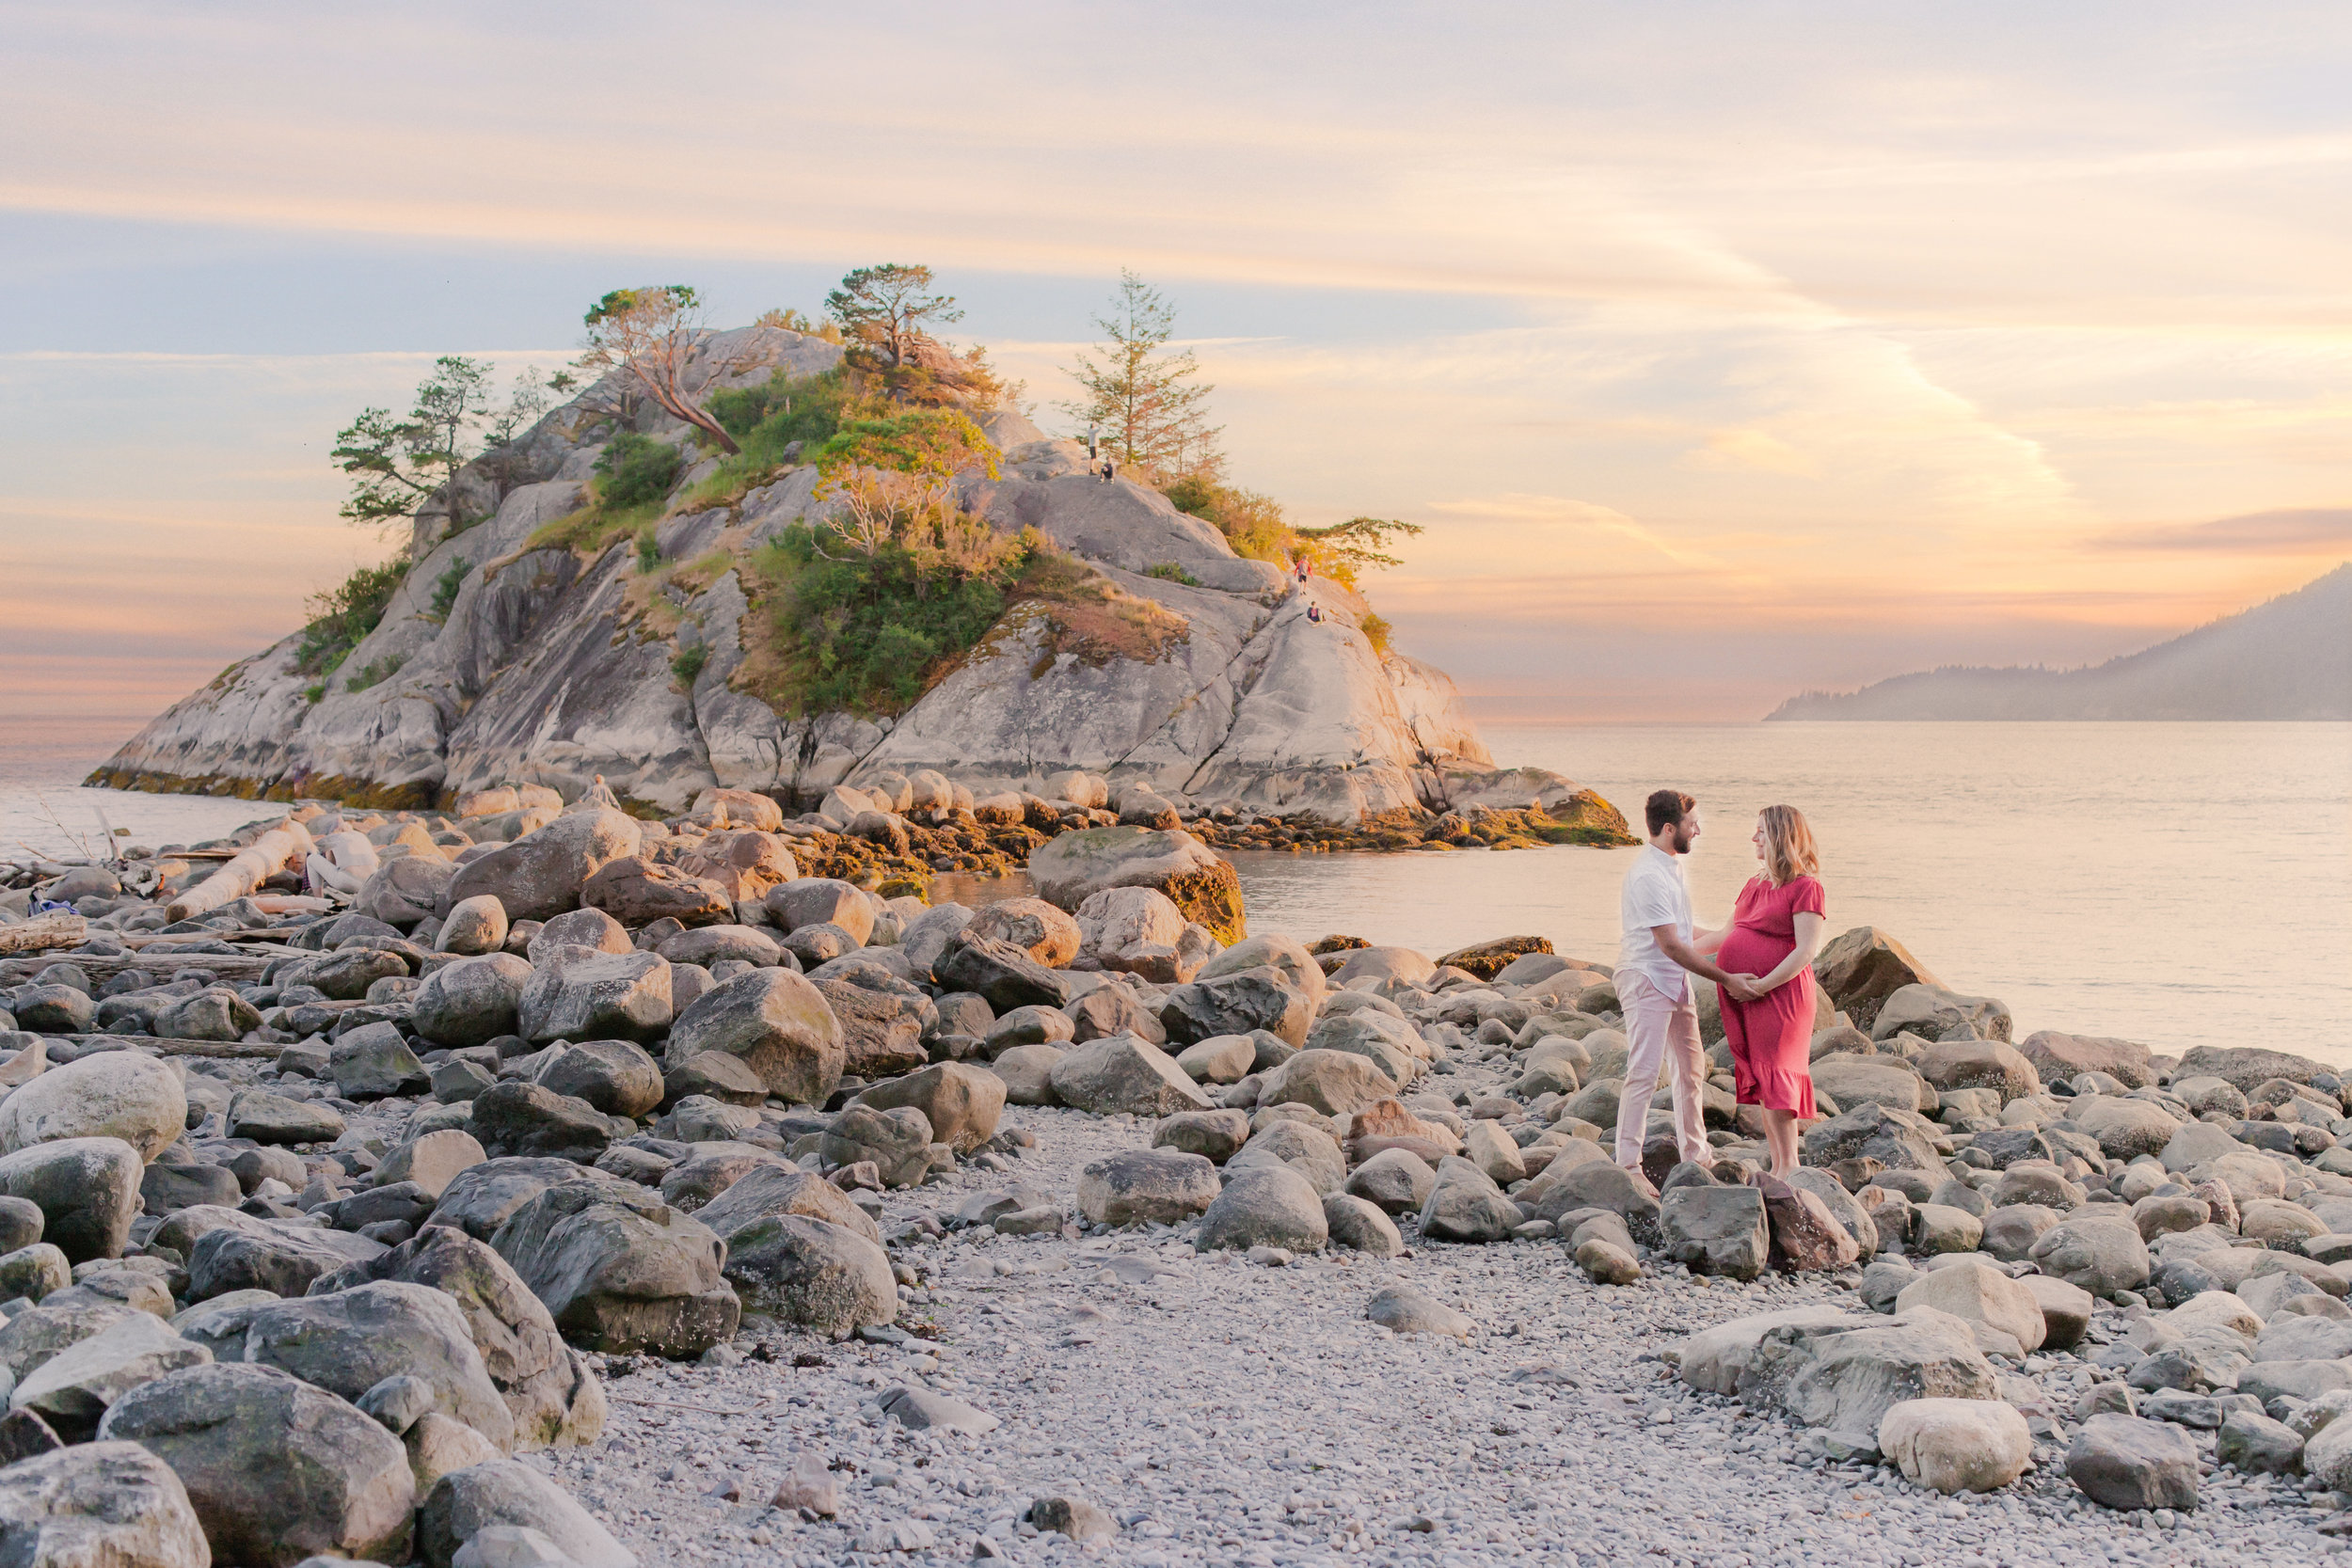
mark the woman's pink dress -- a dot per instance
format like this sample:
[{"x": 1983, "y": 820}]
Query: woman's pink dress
[{"x": 1772, "y": 1039}]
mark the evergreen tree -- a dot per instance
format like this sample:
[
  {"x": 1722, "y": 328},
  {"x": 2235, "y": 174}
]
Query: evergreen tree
[{"x": 1142, "y": 395}]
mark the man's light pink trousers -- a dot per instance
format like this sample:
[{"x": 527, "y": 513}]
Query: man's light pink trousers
[{"x": 1661, "y": 1032}]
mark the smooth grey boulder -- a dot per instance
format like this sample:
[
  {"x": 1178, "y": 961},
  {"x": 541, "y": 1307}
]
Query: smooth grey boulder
[
  {"x": 1002, "y": 974},
  {"x": 825, "y": 1277},
  {"x": 33, "y": 1271},
  {"x": 1308, "y": 1150},
  {"x": 405, "y": 892},
  {"x": 1402, "y": 1310},
  {"x": 1853, "y": 1081},
  {"x": 881, "y": 1032},
  {"x": 776, "y": 1022},
  {"x": 374, "y": 1062},
  {"x": 1394, "y": 1180},
  {"x": 72, "y": 1390},
  {"x": 1123, "y": 1074},
  {"x": 482, "y": 1197},
  {"x": 770, "y": 1190},
  {"x": 1149, "y": 1186},
  {"x": 19, "y": 1224},
  {"x": 168, "y": 1185},
  {"x": 1932, "y": 1012},
  {"x": 1600, "y": 1184},
  {"x": 1844, "y": 1372},
  {"x": 710, "y": 944},
  {"x": 98, "y": 1505},
  {"x": 431, "y": 1161},
  {"x": 822, "y": 901},
  {"x": 1235, "y": 1003},
  {"x": 963, "y": 1103},
  {"x": 709, "y": 1172},
  {"x": 1268, "y": 1206},
  {"x": 898, "y": 1141},
  {"x": 2129, "y": 1462},
  {"x": 1465, "y": 1205},
  {"x": 921, "y": 1410},
  {"x": 518, "y": 1119},
  {"x": 474, "y": 925},
  {"x": 616, "y": 1076},
  {"x": 276, "y": 1469},
  {"x": 553, "y": 1397},
  {"x": 1872, "y": 1132},
  {"x": 113, "y": 1094},
  {"x": 1359, "y": 1226},
  {"x": 348, "y": 1341},
  {"x": 2123, "y": 1127},
  {"x": 472, "y": 1002},
  {"x": 1336, "y": 1083},
  {"x": 214, "y": 1013},
  {"x": 2100, "y": 1256},
  {"x": 1214, "y": 1136},
  {"x": 86, "y": 1188},
  {"x": 597, "y": 996},
  {"x": 277, "y": 1119},
  {"x": 1716, "y": 1229},
  {"x": 1841, "y": 1206},
  {"x": 539, "y": 876},
  {"x": 465, "y": 1502},
  {"x": 621, "y": 1271}
]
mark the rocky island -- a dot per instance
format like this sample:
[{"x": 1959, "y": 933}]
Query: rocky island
[{"x": 534, "y": 1183}]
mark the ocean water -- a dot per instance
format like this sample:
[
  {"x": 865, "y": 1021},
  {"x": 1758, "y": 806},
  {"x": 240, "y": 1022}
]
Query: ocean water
[{"x": 2178, "y": 885}]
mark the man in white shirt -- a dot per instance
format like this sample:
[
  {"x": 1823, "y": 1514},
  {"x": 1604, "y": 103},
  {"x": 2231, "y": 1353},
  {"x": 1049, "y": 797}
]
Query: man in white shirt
[{"x": 1657, "y": 956}]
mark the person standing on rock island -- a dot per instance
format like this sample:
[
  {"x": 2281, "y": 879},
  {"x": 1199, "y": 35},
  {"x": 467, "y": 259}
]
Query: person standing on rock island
[
  {"x": 1658, "y": 953},
  {"x": 1776, "y": 930}
]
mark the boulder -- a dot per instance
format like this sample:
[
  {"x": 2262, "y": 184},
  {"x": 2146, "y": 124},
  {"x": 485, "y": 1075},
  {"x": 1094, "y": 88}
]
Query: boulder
[
  {"x": 72, "y": 1390},
  {"x": 1871, "y": 1132},
  {"x": 2246, "y": 1067},
  {"x": 710, "y": 944},
  {"x": 2101, "y": 1256},
  {"x": 1465, "y": 1205},
  {"x": 349, "y": 1340},
  {"x": 1852, "y": 1081},
  {"x": 274, "y": 1118},
  {"x": 825, "y": 1277},
  {"x": 2058, "y": 1057},
  {"x": 403, "y": 892},
  {"x": 1956, "y": 1444},
  {"x": 86, "y": 1188},
  {"x": 620, "y": 1271},
  {"x": 1074, "y": 867},
  {"x": 897, "y": 1142},
  {"x": 709, "y": 1173},
  {"x": 276, "y": 1470},
  {"x": 1850, "y": 1216},
  {"x": 1716, "y": 1229},
  {"x": 1865, "y": 965},
  {"x": 1977, "y": 1293},
  {"x": 1383, "y": 963},
  {"x": 765, "y": 1190},
  {"x": 1214, "y": 1136},
  {"x": 549, "y": 1392},
  {"x": 2065, "y": 1311},
  {"x": 472, "y": 1000},
  {"x": 638, "y": 892},
  {"x": 1359, "y": 1226},
  {"x": 1806, "y": 1234},
  {"x": 1311, "y": 1152},
  {"x": 615, "y": 1076},
  {"x": 1336, "y": 1083},
  {"x": 100, "y": 1505},
  {"x": 1932, "y": 1012},
  {"x": 881, "y": 1032},
  {"x": 168, "y": 1185},
  {"x": 1979, "y": 1064},
  {"x": 1395, "y": 1180},
  {"x": 593, "y": 930},
  {"x": 2129, "y": 1462},
  {"x": 374, "y": 1062},
  {"x": 2125, "y": 1128},
  {"x": 431, "y": 1161},
  {"x": 1000, "y": 973},
  {"x": 1124, "y": 1075},
  {"x": 282, "y": 1256},
  {"x": 962, "y": 1103},
  {"x": 822, "y": 901},
  {"x": 1268, "y": 1206},
  {"x": 1047, "y": 934},
  {"x": 603, "y": 996},
  {"x": 1402, "y": 1310},
  {"x": 1028, "y": 1073},
  {"x": 215, "y": 1013},
  {"x": 518, "y": 1119},
  {"x": 473, "y": 925},
  {"x": 1843, "y": 1374},
  {"x": 1221, "y": 1059},
  {"x": 501, "y": 1492},
  {"x": 540, "y": 874},
  {"x": 124, "y": 1095},
  {"x": 776, "y": 1022},
  {"x": 1235, "y": 1003}
]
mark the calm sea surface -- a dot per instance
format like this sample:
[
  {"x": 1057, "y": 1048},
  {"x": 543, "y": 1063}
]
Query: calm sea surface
[{"x": 2178, "y": 884}]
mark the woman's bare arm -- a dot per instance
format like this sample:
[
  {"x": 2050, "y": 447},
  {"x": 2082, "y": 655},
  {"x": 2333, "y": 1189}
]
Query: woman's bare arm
[{"x": 1810, "y": 928}]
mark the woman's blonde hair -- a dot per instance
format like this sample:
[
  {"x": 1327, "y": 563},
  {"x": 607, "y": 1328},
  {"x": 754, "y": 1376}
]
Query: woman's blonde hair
[{"x": 1788, "y": 849}]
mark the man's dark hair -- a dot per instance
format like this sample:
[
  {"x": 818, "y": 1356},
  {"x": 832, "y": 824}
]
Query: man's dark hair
[{"x": 1667, "y": 807}]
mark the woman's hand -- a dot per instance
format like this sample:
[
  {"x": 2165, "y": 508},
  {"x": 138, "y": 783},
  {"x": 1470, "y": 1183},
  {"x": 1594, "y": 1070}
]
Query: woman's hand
[{"x": 1745, "y": 987}]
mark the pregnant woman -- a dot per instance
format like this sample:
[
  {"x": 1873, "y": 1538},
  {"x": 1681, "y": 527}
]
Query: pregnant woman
[{"x": 1776, "y": 930}]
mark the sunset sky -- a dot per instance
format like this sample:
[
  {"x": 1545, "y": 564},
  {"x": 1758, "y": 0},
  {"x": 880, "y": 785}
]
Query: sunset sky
[{"x": 1724, "y": 350}]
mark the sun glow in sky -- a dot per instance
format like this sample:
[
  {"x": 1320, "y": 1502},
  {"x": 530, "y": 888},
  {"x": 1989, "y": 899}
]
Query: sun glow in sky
[{"x": 1724, "y": 350}]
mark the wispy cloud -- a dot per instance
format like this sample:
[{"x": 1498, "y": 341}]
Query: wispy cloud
[{"x": 2319, "y": 531}]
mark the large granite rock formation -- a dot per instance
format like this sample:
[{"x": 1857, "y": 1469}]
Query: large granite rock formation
[{"x": 548, "y": 668}]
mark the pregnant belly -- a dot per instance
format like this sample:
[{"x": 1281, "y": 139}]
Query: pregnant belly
[{"x": 1747, "y": 951}]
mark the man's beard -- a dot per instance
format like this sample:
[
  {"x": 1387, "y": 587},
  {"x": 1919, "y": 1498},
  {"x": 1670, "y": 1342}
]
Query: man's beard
[{"x": 1682, "y": 838}]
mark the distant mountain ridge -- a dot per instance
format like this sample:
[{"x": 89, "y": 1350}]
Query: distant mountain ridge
[{"x": 2288, "y": 659}]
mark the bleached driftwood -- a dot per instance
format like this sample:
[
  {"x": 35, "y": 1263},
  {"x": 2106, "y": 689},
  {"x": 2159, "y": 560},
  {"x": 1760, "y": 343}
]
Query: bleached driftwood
[
  {"x": 253, "y": 866},
  {"x": 44, "y": 931}
]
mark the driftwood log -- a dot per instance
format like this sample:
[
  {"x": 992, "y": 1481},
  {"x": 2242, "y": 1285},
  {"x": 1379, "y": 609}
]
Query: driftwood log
[
  {"x": 245, "y": 872},
  {"x": 42, "y": 932}
]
